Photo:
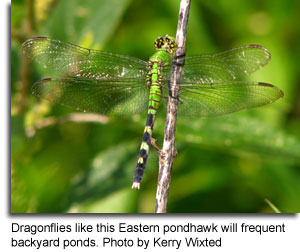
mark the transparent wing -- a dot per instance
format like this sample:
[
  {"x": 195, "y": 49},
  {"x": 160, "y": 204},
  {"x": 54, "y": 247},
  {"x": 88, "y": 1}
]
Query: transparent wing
[
  {"x": 72, "y": 60},
  {"x": 224, "y": 97},
  {"x": 224, "y": 66},
  {"x": 108, "y": 97}
]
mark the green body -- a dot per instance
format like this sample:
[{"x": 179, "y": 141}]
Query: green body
[
  {"x": 113, "y": 84},
  {"x": 155, "y": 82}
]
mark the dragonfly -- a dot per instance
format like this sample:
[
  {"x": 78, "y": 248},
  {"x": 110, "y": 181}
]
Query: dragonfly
[{"x": 114, "y": 84}]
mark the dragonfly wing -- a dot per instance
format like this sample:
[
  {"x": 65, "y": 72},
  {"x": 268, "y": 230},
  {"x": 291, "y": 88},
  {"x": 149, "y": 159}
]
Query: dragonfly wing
[
  {"x": 224, "y": 66},
  {"x": 72, "y": 60},
  {"x": 224, "y": 97},
  {"x": 108, "y": 97}
]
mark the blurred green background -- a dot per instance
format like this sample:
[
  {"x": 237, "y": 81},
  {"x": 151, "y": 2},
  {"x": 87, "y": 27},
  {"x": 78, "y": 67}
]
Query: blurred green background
[{"x": 225, "y": 164}]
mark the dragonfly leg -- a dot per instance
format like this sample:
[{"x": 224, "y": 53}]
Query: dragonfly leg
[
  {"x": 176, "y": 97},
  {"x": 153, "y": 142},
  {"x": 172, "y": 96},
  {"x": 179, "y": 59},
  {"x": 164, "y": 97},
  {"x": 175, "y": 152},
  {"x": 179, "y": 56}
]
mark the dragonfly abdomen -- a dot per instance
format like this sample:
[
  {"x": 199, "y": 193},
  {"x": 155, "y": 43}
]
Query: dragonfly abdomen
[
  {"x": 154, "y": 80},
  {"x": 144, "y": 151}
]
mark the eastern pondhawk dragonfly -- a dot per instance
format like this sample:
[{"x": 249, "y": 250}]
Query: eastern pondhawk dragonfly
[{"x": 114, "y": 84}]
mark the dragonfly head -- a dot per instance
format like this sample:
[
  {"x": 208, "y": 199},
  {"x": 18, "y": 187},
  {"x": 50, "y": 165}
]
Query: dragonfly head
[{"x": 166, "y": 43}]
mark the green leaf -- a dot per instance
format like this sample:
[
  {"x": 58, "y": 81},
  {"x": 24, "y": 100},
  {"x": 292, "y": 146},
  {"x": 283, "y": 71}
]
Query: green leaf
[
  {"x": 110, "y": 170},
  {"x": 91, "y": 22},
  {"x": 239, "y": 134}
]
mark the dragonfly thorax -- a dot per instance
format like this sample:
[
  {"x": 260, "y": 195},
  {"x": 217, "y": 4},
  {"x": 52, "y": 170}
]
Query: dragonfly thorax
[{"x": 166, "y": 43}]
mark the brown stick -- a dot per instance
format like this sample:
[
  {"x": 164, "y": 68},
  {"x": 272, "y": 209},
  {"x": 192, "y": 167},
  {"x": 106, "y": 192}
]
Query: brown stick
[
  {"x": 73, "y": 117},
  {"x": 168, "y": 153},
  {"x": 25, "y": 74}
]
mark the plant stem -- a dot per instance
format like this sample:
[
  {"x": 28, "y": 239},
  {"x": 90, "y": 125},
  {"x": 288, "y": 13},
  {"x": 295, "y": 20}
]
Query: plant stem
[
  {"x": 168, "y": 153},
  {"x": 25, "y": 74},
  {"x": 73, "y": 117}
]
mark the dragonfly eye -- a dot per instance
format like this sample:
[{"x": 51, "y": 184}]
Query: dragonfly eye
[{"x": 166, "y": 43}]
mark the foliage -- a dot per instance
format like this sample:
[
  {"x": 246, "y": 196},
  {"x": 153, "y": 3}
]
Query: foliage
[{"x": 224, "y": 164}]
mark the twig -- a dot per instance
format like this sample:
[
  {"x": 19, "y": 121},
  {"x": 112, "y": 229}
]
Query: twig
[
  {"x": 168, "y": 153},
  {"x": 74, "y": 117},
  {"x": 275, "y": 209},
  {"x": 25, "y": 74},
  {"x": 30, "y": 16}
]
